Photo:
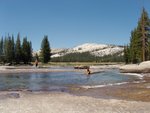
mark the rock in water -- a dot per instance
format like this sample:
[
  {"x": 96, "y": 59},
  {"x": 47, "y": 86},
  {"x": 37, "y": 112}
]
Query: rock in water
[{"x": 13, "y": 95}]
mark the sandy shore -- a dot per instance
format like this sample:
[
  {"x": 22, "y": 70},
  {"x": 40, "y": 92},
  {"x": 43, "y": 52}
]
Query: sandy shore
[
  {"x": 33, "y": 69},
  {"x": 66, "y": 103}
]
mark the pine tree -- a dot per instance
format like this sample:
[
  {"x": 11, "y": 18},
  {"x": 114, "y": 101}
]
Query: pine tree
[
  {"x": 5, "y": 48},
  {"x": 143, "y": 23},
  {"x": 127, "y": 54},
  {"x": 1, "y": 46},
  {"x": 25, "y": 51},
  {"x": 9, "y": 50},
  {"x": 13, "y": 48},
  {"x": 29, "y": 51},
  {"x": 18, "y": 51},
  {"x": 139, "y": 42},
  {"x": 45, "y": 50},
  {"x": 1, "y": 50},
  {"x": 135, "y": 47}
]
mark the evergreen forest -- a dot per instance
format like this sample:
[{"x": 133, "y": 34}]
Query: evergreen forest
[
  {"x": 87, "y": 57},
  {"x": 138, "y": 49},
  {"x": 15, "y": 52}
]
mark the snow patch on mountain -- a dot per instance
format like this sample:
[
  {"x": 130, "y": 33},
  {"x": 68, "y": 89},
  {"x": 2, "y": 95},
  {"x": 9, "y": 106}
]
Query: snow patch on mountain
[
  {"x": 61, "y": 50},
  {"x": 108, "y": 51},
  {"x": 89, "y": 47}
]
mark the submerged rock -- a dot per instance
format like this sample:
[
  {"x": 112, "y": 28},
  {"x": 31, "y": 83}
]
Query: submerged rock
[{"x": 13, "y": 95}]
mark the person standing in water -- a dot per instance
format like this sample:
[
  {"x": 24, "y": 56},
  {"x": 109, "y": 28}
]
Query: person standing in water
[
  {"x": 37, "y": 59},
  {"x": 36, "y": 63},
  {"x": 88, "y": 71}
]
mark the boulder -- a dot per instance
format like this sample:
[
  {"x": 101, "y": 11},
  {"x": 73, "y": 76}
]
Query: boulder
[{"x": 143, "y": 67}]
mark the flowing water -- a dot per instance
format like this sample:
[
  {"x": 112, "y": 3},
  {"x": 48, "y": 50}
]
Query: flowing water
[{"x": 61, "y": 80}]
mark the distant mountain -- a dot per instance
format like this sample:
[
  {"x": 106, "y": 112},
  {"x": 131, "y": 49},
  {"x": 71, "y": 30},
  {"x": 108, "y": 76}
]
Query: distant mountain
[{"x": 93, "y": 48}]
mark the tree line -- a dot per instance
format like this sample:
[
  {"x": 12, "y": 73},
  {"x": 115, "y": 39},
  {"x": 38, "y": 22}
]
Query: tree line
[
  {"x": 15, "y": 52},
  {"x": 138, "y": 49},
  {"x": 87, "y": 57}
]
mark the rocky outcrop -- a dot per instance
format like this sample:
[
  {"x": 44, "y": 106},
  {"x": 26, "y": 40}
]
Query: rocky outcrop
[
  {"x": 143, "y": 67},
  {"x": 99, "y": 50}
]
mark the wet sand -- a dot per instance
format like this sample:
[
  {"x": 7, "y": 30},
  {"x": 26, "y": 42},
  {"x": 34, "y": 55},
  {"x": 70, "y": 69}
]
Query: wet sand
[{"x": 130, "y": 91}]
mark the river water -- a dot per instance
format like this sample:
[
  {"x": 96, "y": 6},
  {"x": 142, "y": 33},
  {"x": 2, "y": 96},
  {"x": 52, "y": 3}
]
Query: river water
[{"x": 61, "y": 80}]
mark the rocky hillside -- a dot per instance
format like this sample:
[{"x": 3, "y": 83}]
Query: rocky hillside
[{"x": 94, "y": 49}]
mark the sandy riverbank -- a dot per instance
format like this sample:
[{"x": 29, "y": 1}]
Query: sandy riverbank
[
  {"x": 30, "y": 102},
  {"x": 33, "y": 69}
]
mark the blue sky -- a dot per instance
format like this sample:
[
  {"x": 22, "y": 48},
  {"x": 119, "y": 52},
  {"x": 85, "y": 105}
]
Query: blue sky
[{"x": 71, "y": 22}]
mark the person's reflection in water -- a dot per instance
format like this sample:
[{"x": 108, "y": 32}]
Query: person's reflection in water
[
  {"x": 88, "y": 72},
  {"x": 88, "y": 77}
]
